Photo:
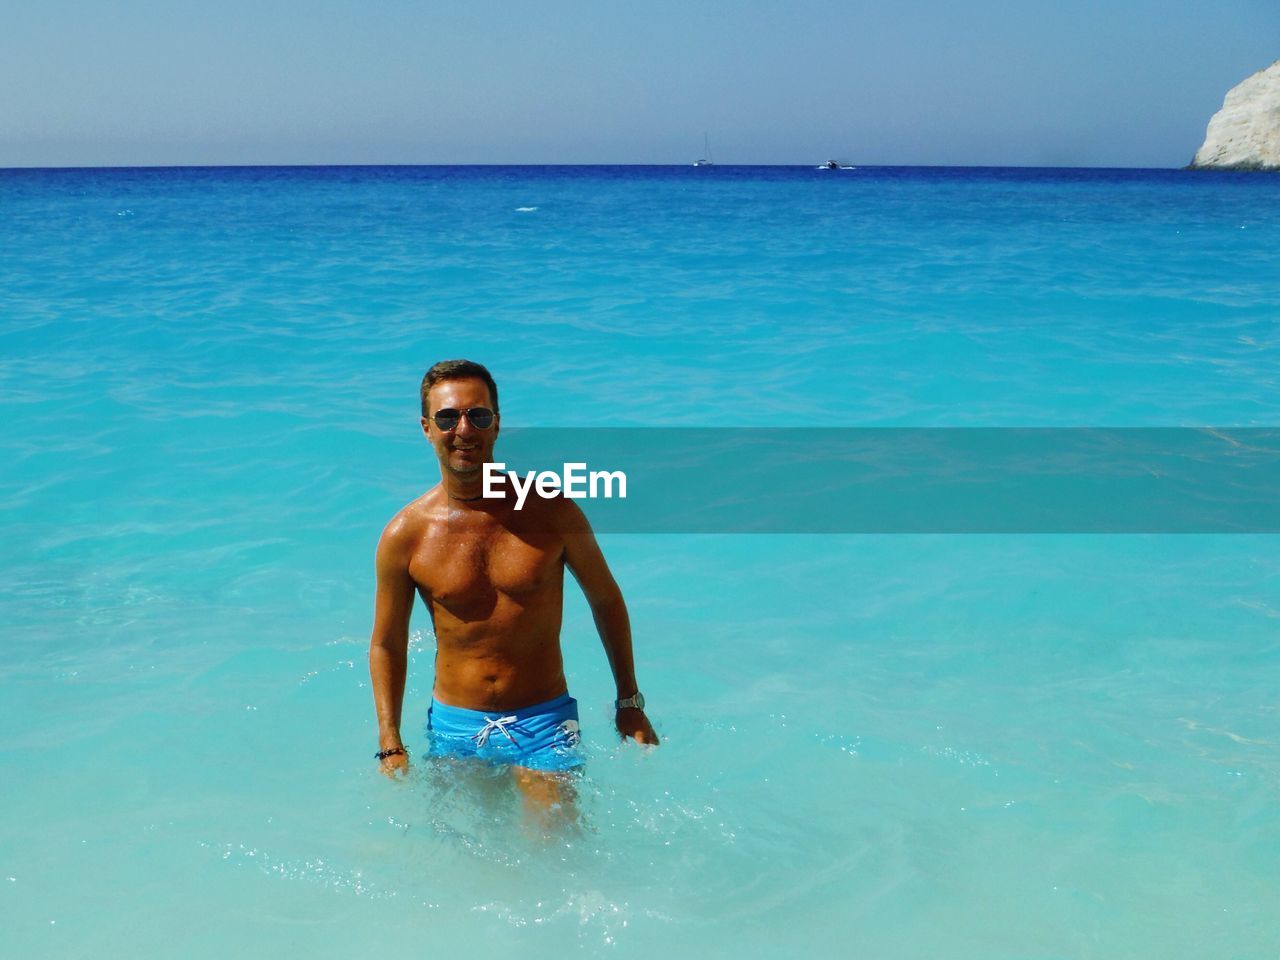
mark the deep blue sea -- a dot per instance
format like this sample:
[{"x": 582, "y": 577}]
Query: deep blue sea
[{"x": 876, "y": 746}]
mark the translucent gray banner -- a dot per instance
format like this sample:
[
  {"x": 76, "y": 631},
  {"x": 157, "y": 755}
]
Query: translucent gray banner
[{"x": 892, "y": 480}]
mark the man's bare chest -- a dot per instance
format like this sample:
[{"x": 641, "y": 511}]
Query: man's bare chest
[{"x": 458, "y": 566}]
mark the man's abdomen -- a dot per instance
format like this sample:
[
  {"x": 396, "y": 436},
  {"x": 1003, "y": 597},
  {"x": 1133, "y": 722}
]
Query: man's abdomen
[{"x": 499, "y": 673}]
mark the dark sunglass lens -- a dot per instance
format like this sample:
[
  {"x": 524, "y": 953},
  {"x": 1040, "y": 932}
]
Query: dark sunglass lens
[
  {"x": 447, "y": 419},
  {"x": 481, "y": 417}
]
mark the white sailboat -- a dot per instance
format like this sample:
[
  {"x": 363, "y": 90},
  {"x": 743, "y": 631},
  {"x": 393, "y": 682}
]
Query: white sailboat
[{"x": 706, "y": 160}]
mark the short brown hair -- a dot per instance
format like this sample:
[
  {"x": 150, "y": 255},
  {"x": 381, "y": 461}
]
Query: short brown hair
[{"x": 457, "y": 370}]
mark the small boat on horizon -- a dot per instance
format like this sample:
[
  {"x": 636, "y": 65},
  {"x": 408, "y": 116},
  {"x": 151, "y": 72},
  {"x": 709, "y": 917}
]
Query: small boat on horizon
[{"x": 706, "y": 160}]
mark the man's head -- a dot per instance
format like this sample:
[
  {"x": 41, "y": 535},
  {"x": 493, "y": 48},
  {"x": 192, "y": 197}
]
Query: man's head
[
  {"x": 457, "y": 396},
  {"x": 457, "y": 370}
]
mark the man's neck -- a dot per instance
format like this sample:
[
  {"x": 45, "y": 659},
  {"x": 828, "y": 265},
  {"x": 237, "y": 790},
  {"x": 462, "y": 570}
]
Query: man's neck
[{"x": 464, "y": 489}]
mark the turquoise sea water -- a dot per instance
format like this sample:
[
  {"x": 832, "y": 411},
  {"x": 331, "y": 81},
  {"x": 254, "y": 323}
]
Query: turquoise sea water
[{"x": 875, "y": 746}]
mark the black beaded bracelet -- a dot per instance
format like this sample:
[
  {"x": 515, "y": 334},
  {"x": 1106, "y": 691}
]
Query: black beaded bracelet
[{"x": 393, "y": 752}]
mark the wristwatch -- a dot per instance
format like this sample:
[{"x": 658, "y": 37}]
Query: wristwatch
[{"x": 635, "y": 703}]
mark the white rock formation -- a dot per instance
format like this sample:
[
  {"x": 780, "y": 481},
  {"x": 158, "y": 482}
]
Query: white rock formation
[{"x": 1245, "y": 133}]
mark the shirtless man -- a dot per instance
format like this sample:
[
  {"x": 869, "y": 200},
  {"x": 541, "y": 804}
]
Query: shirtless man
[{"x": 492, "y": 578}]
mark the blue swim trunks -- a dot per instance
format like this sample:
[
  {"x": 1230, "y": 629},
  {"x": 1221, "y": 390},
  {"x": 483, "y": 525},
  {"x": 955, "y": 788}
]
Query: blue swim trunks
[{"x": 542, "y": 737}]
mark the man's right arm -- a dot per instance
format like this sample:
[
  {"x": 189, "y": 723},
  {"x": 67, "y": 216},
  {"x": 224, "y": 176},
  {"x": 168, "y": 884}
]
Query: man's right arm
[{"x": 389, "y": 645}]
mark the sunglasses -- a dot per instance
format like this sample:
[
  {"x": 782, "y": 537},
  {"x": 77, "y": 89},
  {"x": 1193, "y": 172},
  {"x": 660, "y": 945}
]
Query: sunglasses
[{"x": 479, "y": 417}]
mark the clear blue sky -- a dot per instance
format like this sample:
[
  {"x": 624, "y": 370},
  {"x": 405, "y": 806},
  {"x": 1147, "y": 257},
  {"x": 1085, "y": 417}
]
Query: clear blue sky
[{"x": 1018, "y": 82}]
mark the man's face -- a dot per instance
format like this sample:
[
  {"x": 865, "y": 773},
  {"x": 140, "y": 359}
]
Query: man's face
[{"x": 464, "y": 450}]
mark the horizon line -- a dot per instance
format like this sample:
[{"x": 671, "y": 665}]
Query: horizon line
[{"x": 574, "y": 164}]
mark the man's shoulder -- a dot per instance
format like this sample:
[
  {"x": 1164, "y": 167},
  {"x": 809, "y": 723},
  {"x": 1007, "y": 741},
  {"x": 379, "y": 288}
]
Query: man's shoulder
[
  {"x": 410, "y": 523},
  {"x": 535, "y": 511},
  {"x": 555, "y": 514}
]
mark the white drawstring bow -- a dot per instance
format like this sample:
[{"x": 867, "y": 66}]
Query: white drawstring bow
[{"x": 491, "y": 724}]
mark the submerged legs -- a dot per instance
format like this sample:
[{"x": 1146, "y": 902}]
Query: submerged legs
[{"x": 550, "y": 798}]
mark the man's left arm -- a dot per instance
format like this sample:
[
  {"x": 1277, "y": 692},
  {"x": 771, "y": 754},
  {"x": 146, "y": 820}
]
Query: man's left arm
[{"x": 586, "y": 562}]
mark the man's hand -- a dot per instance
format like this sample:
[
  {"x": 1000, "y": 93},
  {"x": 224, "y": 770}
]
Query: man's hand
[
  {"x": 634, "y": 725},
  {"x": 395, "y": 766}
]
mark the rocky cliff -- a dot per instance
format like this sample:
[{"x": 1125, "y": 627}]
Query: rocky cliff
[{"x": 1245, "y": 133}]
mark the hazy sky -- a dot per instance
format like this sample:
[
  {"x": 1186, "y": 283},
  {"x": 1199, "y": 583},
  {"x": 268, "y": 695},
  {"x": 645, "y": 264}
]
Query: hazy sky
[{"x": 1019, "y": 82}]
